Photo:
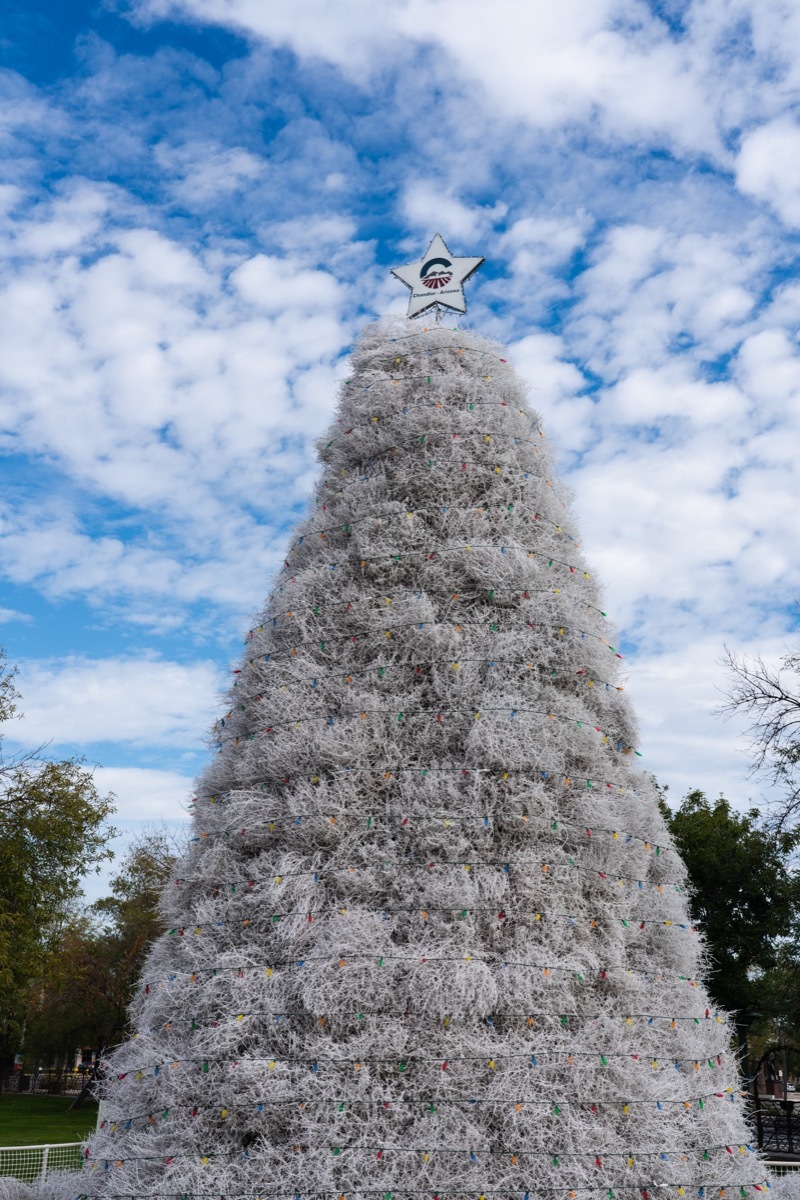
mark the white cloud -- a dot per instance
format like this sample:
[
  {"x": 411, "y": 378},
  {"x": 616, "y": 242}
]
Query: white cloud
[
  {"x": 85, "y": 702},
  {"x": 174, "y": 383},
  {"x": 202, "y": 171},
  {"x": 145, "y": 795},
  {"x": 533, "y": 245},
  {"x": 274, "y": 286},
  {"x": 684, "y": 743},
  {"x": 651, "y": 295},
  {"x": 768, "y": 40},
  {"x": 428, "y": 207},
  {"x": 612, "y": 67},
  {"x": 543, "y": 64},
  {"x": 147, "y": 800},
  {"x": 7, "y": 615},
  {"x": 768, "y": 167},
  {"x": 346, "y": 36},
  {"x": 768, "y": 365},
  {"x": 648, "y": 397},
  {"x": 326, "y": 236},
  {"x": 540, "y": 360},
  {"x": 550, "y": 65}
]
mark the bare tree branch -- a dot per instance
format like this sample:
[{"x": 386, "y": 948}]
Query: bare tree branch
[{"x": 770, "y": 697}]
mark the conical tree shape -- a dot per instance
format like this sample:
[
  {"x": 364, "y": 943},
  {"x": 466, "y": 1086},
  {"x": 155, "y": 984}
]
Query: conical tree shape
[{"x": 431, "y": 936}]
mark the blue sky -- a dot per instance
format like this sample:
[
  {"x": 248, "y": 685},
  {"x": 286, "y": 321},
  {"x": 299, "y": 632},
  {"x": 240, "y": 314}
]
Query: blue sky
[{"x": 201, "y": 202}]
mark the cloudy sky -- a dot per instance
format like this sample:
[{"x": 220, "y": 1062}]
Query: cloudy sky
[{"x": 201, "y": 202}]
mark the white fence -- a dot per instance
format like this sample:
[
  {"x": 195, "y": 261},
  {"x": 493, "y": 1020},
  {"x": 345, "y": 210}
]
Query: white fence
[{"x": 31, "y": 1163}]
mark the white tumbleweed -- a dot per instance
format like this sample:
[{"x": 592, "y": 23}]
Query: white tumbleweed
[{"x": 430, "y": 937}]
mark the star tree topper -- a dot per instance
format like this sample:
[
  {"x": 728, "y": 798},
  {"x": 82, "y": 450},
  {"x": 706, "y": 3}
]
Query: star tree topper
[{"x": 437, "y": 278}]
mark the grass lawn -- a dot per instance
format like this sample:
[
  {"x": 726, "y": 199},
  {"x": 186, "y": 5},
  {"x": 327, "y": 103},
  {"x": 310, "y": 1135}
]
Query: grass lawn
[{"x": 31, "y": 1120}]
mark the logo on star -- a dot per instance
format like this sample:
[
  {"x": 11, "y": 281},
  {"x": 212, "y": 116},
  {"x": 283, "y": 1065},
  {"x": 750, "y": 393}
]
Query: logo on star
[
  {"x": 437, "y": 279},
  {"x": 436, "y": 273}
]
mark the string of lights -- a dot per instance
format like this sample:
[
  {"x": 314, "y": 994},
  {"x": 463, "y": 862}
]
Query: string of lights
[
  {"x": 519, "y": 1104},
  {"x": 459, "y": 347},
  {"x": 361, "y": 474},
  {"x": 490, "y": 1061},
  {"x": 460, "y": 408},
  {"x": 531, "y": 1020},
  {"x": 560, "y": 1158},
  {"x": 618, "y": 1192},
  {"x": 462, "y": 774},
  {"x": 373, "y": 822},
  {"x": 257, "y": 921},
  {"x": 456, "y": 626},
  {"x": 439, "y": 550},
  {"x": 438, "y": 713},
  {"x": 478, "y": 510},
  {"x": 343, "y": 961},
  {"x": 291, "y": 683},
  {"x": 350, "y": 604},
  {"x": 422, "y": 439},
  {"x": 330, "y": 873},
  {"x": 397, "y": 379}
]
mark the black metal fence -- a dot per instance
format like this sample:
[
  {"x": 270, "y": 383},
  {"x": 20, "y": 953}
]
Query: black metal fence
[
  {"x": 44, "y": 1082},
  {"x": 776, "y": 1102},
  {"x": 778, "y": 1126}
]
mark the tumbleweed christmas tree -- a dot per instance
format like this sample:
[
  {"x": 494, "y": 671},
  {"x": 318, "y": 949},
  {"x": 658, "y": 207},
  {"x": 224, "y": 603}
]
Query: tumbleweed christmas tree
[{"x": 430, "y": 937}]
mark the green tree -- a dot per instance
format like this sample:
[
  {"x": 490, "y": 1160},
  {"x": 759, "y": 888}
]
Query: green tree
[
  {"x": 85, "y": 988},
  {"x": 745, "y": 896},
  {"x": 59, "y": 1020},
  {"x": 53, "y": 830},
  {"x": 780, "y": 996},
  {"x": 131, "y": 921}
]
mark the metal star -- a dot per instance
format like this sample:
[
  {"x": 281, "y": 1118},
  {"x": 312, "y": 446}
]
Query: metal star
[{"x": 437, "y": 278}]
